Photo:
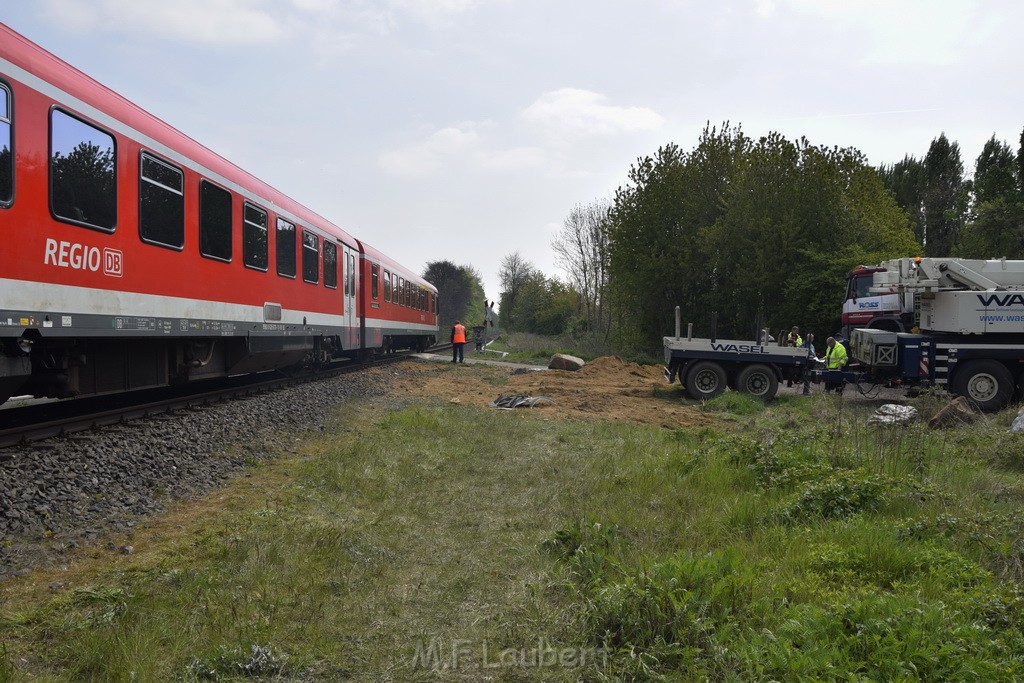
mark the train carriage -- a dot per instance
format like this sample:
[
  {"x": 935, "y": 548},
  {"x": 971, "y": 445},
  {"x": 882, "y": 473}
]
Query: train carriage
[
  {"x": 399, "y": 307},
  {"x": 135, "y": 257}
]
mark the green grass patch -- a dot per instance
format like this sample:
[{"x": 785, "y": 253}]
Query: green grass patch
[{"x": 441, "y": 542}]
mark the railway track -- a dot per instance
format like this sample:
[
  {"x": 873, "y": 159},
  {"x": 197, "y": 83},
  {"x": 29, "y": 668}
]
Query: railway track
[{"x": 33, "y": 423}]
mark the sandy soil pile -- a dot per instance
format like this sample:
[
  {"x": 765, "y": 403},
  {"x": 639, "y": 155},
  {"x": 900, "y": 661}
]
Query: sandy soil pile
[{"x": 606, "y": 388}]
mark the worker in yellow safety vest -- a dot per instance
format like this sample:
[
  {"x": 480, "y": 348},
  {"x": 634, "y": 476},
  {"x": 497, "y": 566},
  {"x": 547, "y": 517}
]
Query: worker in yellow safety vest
[
  {"x": 458, "y": 342},
  {"x": 835, "y": 359},
  {"x": 793, "y": 338}
]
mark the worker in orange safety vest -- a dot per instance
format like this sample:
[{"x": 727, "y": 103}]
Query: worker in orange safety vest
[{"x": 458, "y": 342}]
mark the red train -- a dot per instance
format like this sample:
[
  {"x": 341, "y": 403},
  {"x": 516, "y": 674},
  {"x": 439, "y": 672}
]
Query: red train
[{"x": 135, "y": 257}]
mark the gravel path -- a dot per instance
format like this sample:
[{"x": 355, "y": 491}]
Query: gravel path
[{"x": 72, "y": 491}]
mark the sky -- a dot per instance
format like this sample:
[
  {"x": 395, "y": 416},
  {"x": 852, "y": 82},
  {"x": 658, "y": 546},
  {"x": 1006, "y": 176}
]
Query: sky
[{"x": 466, "y": 130}]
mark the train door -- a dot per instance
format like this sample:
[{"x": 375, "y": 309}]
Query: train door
[{"x": 351, "y": 277}]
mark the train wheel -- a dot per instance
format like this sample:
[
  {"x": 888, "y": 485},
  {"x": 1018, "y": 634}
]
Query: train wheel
[
  {"x": 705, "y": 380},
  {"x": 987, "y": 384},
  {"x": 758, "y": 381}
]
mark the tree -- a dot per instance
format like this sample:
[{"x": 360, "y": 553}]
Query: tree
[
  {"x": 945, "y": 197},
  {"x": 749, "y": 230},
  {"x": 906, "y": 180},
  {"x": 1020, "y": 163},
  {"x": 995, "y": 174},
  {"x": 997, "y": 225},
  {"x": 581, "y": 249},
  {"x": 458, "y": 291},
  {"x": 659, "y": 252},
  {"x": 514, "y": 272},
  {"x": 84, "y": 185}
]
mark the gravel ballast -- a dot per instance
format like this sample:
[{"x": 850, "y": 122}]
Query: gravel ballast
[{"x": 65, "y": 493}]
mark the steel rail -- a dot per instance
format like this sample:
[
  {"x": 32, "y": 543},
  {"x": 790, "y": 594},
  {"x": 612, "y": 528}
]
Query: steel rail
[{"x": 29, "y": 424}]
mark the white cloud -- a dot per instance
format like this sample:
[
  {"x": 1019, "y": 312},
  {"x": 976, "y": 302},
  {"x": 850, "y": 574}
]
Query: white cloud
[
  {"x": 430, "y": 155},
  {"x": 515, "y": 159},
  {"x": 236, "y": 22},
  {"x": 584, "y": 112},
  {"x": 910, "y": 31},
  {"x": 433, "y": 12},
  {"x": 463, "y": 147}
]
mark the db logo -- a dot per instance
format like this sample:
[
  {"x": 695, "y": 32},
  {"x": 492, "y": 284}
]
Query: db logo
[{"x": 113, "y": 262}]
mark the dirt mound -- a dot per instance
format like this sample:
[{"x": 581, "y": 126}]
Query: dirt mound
[
  {"x": 609, "y": 367},
  {"x": 607, "y": 388}
]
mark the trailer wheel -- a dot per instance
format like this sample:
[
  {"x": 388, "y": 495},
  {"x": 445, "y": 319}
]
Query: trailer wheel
[
  {"x": 705, "y": 380},
  {"x": 758, "y": 381},
  {"x": 987, "y": 384}
]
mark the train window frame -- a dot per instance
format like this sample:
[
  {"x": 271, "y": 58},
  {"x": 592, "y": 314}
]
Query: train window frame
[
  {"x": 247, "y": 232},
  {"x": 374, "y": 284},
  {"x": 146, "y": 187},
  {"x": 394, "y": 288},
  {"x": 310, "y": 264},
  {"x": 7, "y": 120},
  {"x": 205, "y": 184},
  {"x": 332, "y": 281},
  {"x": 282, "y": 248},
  {"x": 109, "y": 229},
  {"x": 387, "y": 286},
  {"x": 401, "y": 291}
]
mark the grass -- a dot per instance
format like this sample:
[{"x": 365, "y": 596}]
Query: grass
[
  {"x": 441, "y": 542},
  {"x": 525, "y": 347}
]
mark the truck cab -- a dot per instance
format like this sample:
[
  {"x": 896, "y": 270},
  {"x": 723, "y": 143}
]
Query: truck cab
[{"x": 891, "y": 310}]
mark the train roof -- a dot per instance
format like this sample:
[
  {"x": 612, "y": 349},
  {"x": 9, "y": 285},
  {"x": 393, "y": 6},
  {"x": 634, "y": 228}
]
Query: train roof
[
  {"x": 42, "y": 70},
  {"x": 379, "y": 257}
]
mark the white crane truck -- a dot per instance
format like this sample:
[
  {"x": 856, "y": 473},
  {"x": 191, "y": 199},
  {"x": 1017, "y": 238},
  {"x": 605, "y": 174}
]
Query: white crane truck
[{"x": 970, "y": 313}]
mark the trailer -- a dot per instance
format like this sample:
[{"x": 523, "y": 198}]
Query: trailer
[{"x": 706, "y": 367}]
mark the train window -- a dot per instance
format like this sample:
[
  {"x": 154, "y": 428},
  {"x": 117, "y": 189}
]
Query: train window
[
  {"x": 214, "y": 221},
  {"x": 433, "y": 303},
  {"x": 285, "y": 248},
  {"x": 401, "y": 291},
  {"x": 254, "y": 237},
  {"x": 387, "y": 286},
  {"x": 344, "y": 271},
  {"x": 83, "y": 175},
  {"x": 394, "y": 288},
  {"x": 352, "y": 273},
  {"x": 374, "y": 276},
  {"x": 330, "y": 264},
  {"x": 6, "y": 155},
  {"x": 310, "y": 257},
  {"x": 161, "y": 202}
]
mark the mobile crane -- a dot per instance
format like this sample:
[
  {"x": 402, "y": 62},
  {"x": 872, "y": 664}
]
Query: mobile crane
[{"x": 970, "y": 313}]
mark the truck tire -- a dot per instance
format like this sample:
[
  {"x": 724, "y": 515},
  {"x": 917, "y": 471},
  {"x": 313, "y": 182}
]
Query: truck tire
[
  {"x": 759, "y": 381},
  {"x": 986, "y": 384},
  {"x": 705, "y": 380}
]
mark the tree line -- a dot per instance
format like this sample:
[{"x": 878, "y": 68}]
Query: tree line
[{"x": 758, "y": 230}]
